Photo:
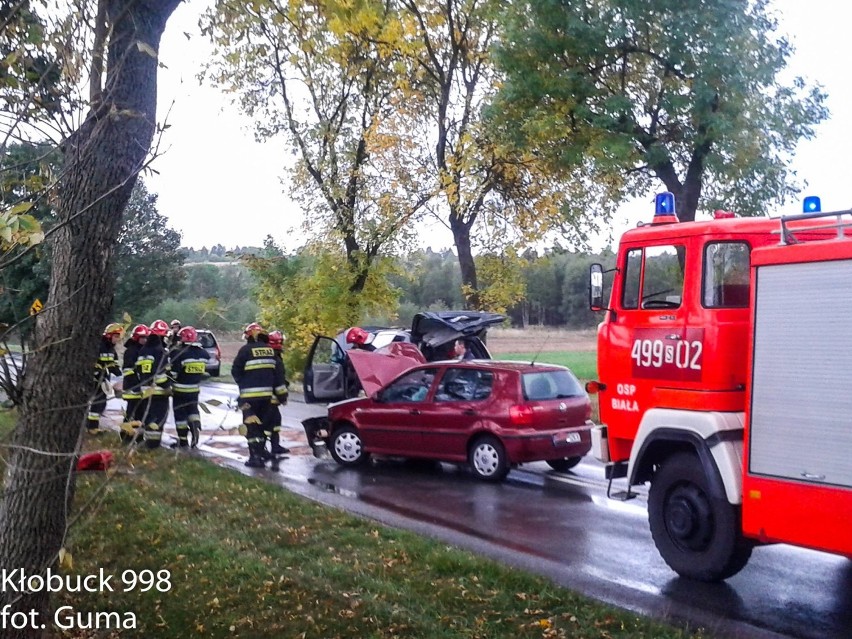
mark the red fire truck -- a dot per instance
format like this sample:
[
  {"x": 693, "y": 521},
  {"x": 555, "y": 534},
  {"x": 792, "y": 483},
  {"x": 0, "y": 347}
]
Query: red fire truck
[{"x": 725, "y": 380}]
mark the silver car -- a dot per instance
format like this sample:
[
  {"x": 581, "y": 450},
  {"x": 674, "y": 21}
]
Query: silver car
[{"x": 208, "y": 342}]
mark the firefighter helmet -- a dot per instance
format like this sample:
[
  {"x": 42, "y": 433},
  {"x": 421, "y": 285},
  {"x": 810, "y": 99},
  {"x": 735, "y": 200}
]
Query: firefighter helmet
[
  {"x": 159, "y": 327},
  {"x": 114, "y": 329},
  {"x": 276, "y": 340},
  {"x": 357, "y": 336},
  {"x": 188, "y": 335},
  {"x": 253, "y": 330},
  {"x": 175, "y": 323},
  {"x": 140, "y": 331}
]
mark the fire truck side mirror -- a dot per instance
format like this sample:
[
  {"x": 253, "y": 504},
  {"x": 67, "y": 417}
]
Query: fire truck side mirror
[{"x": 596, "y": 287}]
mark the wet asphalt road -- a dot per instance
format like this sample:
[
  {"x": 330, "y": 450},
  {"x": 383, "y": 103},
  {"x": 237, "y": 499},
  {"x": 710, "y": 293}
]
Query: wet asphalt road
[{"x": 560, "y": 525}]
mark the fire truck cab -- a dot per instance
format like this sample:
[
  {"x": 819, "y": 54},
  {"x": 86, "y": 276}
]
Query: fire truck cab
[{"x": 722, "y": 379}]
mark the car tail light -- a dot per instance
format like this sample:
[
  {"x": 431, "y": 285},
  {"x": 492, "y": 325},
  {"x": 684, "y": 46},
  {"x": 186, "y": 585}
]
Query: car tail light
[
  {"x": 218, "y": 353},
  {"x": 521, "y": 415}
]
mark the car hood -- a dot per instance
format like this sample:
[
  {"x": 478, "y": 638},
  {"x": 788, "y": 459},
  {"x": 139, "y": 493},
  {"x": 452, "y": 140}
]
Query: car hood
[
  {"x": 439, "y": 327},
  {"x": 377, "y": 368}
]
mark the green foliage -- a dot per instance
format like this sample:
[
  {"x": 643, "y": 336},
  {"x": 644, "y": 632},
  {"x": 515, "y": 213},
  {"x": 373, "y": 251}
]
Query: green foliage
[
  {"x": 310, "y": 294},
  {"x": 148, "y": 259},
  {"x": 501, "y": 281},
  {"x": 323, "y": 75},
  {"x": 216, "y": 296},
  {"x": 211, "y": 313},
  {"x": 25, "y": 176},
  {"x": 634, "y": 91},
  {"x": 30, "y": 67},
  {"x": 218, "y": 254},
  {"x": 429, "y": 281}
]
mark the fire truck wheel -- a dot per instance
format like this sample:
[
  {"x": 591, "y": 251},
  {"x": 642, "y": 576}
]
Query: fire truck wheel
[{"x": 697, "y": 535}]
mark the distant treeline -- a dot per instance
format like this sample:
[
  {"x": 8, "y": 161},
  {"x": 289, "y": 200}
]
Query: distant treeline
[{"x": 556, "y": 285}]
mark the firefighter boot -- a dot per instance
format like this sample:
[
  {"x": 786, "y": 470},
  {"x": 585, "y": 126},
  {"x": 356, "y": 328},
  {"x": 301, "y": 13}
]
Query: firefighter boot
[
  {"x": 255, "y": 459},
  {"x": 276, "y": 450},
  {"x": 195, "y": 432}
]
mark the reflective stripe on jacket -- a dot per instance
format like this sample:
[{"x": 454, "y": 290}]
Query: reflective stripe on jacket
[{"x": 257, "y": 371}]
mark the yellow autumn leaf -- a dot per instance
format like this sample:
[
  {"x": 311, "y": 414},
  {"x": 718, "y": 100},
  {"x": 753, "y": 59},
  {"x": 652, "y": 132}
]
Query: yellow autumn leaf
[{"x": 66, "y": 561}]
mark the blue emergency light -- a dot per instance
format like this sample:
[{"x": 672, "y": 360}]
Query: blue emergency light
[
  {"x": 812, "y": 204},
  {"x": 665, "y": 204}
]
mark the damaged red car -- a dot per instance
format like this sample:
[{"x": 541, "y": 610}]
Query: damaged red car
[
  {"x": 329, "y": 377},
  {"x": 489, "y": 415}
]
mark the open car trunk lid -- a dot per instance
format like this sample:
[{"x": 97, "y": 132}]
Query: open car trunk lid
[{"x": 435, "y": 328}]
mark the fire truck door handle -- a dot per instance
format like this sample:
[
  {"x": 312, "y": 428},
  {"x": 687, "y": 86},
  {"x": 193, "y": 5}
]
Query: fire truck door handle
[
  {"x": 414, "y": 411},
  {"x": 674, "y": 336},
  {"x": 813, "y": 477}
]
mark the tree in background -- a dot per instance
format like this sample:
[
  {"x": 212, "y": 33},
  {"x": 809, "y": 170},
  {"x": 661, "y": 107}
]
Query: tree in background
[
  {"x": 148, "y": 256},
  {"x": 103, "y": 155},
  {"x": 217, "y": 296},
  {"x": 635, "y": 91},
  {"x": 321, "y": 75},
  {"x": 301, "y": 295},
  {"x": 492, "y": 197},
  {"x": 428, "y": 280}
]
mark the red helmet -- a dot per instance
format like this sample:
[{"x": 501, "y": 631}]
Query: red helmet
[
  {"x": 357, "y": 335},
  {"x": 188, "y": 335},
  {"x": 140, "y": 331},
  {"x": 253, "y": 330},
  {"x": 159, "y": 327},
  {"x": 114, "y": 329},
  {"x": 276, "y": 340}
]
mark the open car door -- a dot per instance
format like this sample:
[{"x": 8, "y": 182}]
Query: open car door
[{"x": 326, "y": 372}]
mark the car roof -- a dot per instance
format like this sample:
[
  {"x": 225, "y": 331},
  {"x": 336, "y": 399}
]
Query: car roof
[{"x": 493, "y": 364}]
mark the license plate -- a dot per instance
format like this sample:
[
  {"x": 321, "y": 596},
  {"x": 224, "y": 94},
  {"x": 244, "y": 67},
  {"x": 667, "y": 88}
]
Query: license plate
[{"x": 569, "y": 438}]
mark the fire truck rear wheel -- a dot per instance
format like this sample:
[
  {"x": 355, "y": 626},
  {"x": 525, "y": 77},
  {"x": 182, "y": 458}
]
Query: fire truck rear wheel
[{"x": 698, "y": 535}]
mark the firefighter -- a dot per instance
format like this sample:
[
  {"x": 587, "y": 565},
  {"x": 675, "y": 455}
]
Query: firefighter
[
  {"x": 260, "y": 377},
  {"x": 152, "y": 370},
  {"x": 173, "y": 337},
  {"x": 105, "y": 367},
  {"x": 188, "y": 366},
  {"x": 359, "y": 338},
  {"x": 131, "y": 391},
  {"x": 272, "y": 422}
]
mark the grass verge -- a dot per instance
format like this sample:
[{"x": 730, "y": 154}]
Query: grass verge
[
  {"x": 584, "y": 364},
  {"x": 249, "y": 559}
]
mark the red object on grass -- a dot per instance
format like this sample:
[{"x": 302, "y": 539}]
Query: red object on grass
[{"x": 98, "y": 460}]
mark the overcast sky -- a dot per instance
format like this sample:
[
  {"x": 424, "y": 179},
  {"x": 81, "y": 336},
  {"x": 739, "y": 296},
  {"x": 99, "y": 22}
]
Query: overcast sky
[{"x": 218, "y": 186}]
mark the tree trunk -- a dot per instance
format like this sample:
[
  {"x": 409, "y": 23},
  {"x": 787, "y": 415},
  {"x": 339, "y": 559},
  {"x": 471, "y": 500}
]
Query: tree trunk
[
  {"x": 102, "y": 160},
  {"x": 461, "y": 238}
]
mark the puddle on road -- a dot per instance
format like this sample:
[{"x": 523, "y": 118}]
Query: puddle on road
[{"x": 332, "y": 488}]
